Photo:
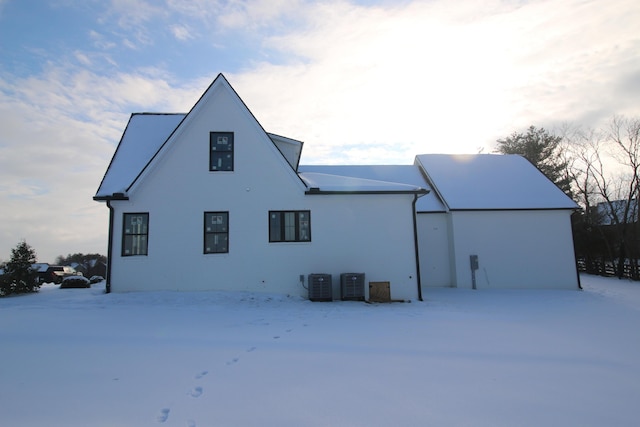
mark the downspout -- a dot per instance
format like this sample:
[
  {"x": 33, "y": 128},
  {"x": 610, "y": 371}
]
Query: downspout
[
  {"x": 109, "y": 247},
  {"x": 415, "y": 243},
  {"x": 573, "y": 241}
]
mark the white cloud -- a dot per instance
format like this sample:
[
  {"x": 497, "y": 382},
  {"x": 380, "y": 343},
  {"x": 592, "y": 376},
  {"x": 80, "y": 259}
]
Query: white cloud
[
  {"x": 181, "y": 32},
  {"x": 100, "y": 41},
  {"x": 441, "y": 78},
  {"x": 252, "y": 15},
  {"x": 58, "y": 131},
  {"x": 83, "y": 58},
  {"x": 134, "y": 13}
]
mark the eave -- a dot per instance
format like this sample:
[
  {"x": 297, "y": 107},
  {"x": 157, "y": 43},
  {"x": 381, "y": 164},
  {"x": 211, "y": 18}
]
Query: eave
[
  {"x": 315, "y": 191},
  {"x": 114, "y": 196}
]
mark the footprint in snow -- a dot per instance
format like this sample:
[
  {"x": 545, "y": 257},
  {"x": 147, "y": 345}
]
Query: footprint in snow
[
  {"x": 232, "y": 361},
  {"x": 196, "y": 392},
  {"x": 249, "y": 350},
  {"x": 164, "y": 415},
  {"x": 201, "y": 374},
  {"x": 191, "y": 423},
  {"x": 276, "y": 337},
  {"x": 289, "y": 330}
]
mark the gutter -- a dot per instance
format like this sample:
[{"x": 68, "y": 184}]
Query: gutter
[
  {"x": 114, "y": 196},
  {"x": 317, "y": 191}
]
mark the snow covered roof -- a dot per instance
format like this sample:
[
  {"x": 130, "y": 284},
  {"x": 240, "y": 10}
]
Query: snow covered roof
[
  {"x": 337, "y": 183},
  {"x": 491, "y": 181},
  {"x": 459, "y": 182},
  {"x": 371, "y": 178},
  {"x": 40, "y": 267},
  {"x": 144, "y": 135}
]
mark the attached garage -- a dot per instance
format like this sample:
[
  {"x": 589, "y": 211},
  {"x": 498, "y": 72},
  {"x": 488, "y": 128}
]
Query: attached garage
[{"x": 501, "y": 210}]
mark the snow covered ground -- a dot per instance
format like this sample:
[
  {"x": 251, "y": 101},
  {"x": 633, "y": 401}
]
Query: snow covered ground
[{"x": 79, "y": 357}]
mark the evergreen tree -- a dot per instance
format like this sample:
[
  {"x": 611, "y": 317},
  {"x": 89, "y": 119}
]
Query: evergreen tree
[
  {"x": 18, "y": 276},
  {"x": 543, "y": 150}
]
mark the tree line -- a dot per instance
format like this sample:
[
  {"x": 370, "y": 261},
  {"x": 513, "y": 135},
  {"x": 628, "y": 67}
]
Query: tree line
[{"x": 600, "y": 170}]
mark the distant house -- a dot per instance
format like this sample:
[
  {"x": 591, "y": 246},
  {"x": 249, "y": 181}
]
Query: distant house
[
  {"x": 209, "y": 200},
  {"x": 79, "y": 268},
  {"x": 617, "y": 212},
  {"x": 96, "y": 268},
  {"x": 40, "y": 269}
]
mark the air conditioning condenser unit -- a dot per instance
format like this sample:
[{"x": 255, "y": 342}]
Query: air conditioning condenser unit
[
  {"x": 320, "y": 287},
  {"x": 352, "y": 286}
]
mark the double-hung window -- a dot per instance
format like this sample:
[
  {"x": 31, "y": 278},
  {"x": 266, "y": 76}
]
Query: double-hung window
[
  {"x": 216, "y": 232},
  {"x": 289, "y": 226},
  {"x": 135, "y": 234},
  {"x": 221, "y": 151}
]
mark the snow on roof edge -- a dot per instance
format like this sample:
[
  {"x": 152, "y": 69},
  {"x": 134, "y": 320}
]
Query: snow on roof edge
[{"x": 329, "y": 182}]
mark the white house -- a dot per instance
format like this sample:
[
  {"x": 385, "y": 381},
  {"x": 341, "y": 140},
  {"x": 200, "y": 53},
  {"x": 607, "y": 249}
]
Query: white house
[{"x": 209, "y": 200}]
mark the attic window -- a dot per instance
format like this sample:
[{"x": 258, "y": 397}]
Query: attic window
[{"x": 221, "y": 151}]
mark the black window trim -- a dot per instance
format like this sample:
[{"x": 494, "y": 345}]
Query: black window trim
[
  {"x": 124, "y": 233},
  {"x": 297, "y": 226},
  {"x": 212, "y": 151},
  {"x": 205, "y": 232}
]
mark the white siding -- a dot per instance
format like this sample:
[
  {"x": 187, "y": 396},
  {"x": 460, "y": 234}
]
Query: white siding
[
  {"x": 371, "y": 234},
  {"x": 363, "y": 234},
  {"x": 435, "y": 250},
  {"x": 516, "y": 249}
]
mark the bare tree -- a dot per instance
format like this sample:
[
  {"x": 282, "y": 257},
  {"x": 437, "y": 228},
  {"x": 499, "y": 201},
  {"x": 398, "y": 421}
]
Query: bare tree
[
  {"x": 624, "y": 135},
  {"x": 604, "y": 166}
]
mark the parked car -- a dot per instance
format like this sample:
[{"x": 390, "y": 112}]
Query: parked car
[
  {"x": 55, "y": 274},
  {"x": 75, "y": 282},
  {"x": 96, "y": 279}
]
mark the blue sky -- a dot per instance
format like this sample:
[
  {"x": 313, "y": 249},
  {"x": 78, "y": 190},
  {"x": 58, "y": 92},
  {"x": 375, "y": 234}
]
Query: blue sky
[{"x": 359, "y": 82}]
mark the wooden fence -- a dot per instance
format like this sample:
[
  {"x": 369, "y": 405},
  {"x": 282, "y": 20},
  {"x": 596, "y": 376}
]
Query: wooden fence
[{"x": 609, "y": 268}]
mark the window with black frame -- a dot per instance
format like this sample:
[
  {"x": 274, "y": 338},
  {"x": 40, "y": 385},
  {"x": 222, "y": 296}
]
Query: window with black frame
[
  {"x": 135, "y": 234},
  {"x": 216, "y": 232},
  {"x": 289, "y": 226},
  {"x": 221, "y": 151}
]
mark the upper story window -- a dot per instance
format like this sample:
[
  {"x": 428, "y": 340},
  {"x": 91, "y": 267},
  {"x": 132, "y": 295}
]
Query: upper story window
[
  {"x": 216, "y": 232},
  {"x": 221, "y": 151},
  {"x": 289, "y": 226},
  {"x": 135, "y": 234}
]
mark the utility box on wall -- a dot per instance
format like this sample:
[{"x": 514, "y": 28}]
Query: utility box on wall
[
  {"x": 352, "y": 286},
  {"x": 320, "y": 287}
]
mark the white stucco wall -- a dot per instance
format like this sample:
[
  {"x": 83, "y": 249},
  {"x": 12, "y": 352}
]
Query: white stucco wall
[{"x": 516, "y": 249}]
